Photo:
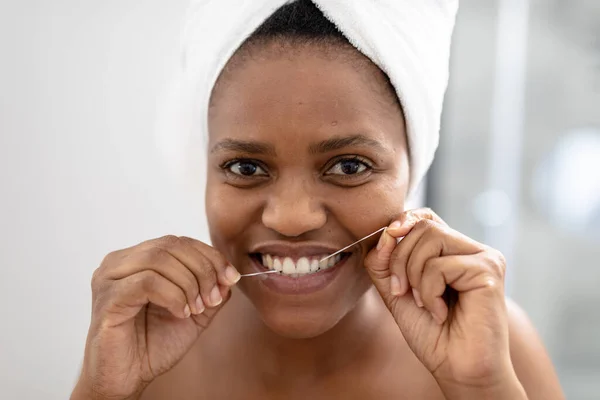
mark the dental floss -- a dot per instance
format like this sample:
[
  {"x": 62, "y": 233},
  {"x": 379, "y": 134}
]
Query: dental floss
[
  {"x": 358, "y": 241},
  {"x": 325, "y": 258},
  {"x": 259, "y": 273}
]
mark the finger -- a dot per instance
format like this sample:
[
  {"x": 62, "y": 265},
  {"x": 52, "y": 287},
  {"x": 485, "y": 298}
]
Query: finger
[
  {"x": 203, "y": 320},
  {"x": 204, "y": 270},
  {"x": 434, "y": 240},
  {"x": 130, "y": 294},
  {"x": 402, "y": 305},
  {"x": 377, "y": 264},
  {"x": 463, "y": 273},
  {"x": 433, "y": 287},
  {"x": 408, "y": 219},
  {"x": 399, "y": 260},
  {"x": 167, "y": 265},
  {"x": 398, "y": 269},
  {"x": 227, "y": 274},
  {"x": 427, "y": 239}
]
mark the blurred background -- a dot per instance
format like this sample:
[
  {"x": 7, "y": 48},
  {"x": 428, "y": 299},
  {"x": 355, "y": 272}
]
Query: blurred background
[{"x": 81, "y": 81}]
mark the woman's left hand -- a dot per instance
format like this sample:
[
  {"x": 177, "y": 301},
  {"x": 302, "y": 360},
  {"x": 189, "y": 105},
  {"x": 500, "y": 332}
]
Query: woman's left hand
[{"x": 464, "y": 346}]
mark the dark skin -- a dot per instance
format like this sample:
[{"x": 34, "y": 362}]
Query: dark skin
[{"x": 310, "y": 149}]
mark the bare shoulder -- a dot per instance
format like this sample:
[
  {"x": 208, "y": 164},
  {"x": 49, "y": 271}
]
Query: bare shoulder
[{"x": 530, "y": 358}]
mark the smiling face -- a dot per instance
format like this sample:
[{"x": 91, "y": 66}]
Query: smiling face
[{"x": 307, "y": 154}]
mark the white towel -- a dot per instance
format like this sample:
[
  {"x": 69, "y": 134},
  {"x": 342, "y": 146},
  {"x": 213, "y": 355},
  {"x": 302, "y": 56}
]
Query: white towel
[{"x": 408, "y": 39}]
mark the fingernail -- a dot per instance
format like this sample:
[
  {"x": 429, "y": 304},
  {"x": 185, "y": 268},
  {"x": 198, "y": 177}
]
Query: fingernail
[
  {"x": 382, "y": 240},
  {"x": 186, "y": 311},
  {"x": 199, "y": 305},
  {"x": 395, "y": 285},
  {"x": 395, "y": 225},
  {"x": 417, "y": 296},
  {"x": 215, "y": 297},
  {"x": 232, "y": 275}
]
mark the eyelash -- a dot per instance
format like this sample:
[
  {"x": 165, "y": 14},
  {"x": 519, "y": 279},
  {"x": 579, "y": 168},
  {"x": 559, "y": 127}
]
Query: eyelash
[
  {"x": 361, "y": 160},
  {"x": 226, "y": 167}
]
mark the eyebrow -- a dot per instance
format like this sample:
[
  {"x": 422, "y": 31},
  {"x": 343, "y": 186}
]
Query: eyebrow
[
  {"x": 337, "y": 143},
  {"x": 326, "y": 146},
  {"x": 244, "y": 146}
]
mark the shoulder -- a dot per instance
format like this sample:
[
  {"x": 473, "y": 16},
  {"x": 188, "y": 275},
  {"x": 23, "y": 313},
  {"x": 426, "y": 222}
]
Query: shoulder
[{"x": 530, "y": 358}]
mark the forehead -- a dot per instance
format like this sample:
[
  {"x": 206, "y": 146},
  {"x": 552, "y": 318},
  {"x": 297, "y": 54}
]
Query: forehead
[{"x": 308, "y": 91}]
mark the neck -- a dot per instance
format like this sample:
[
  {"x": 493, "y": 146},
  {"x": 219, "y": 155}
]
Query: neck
[{"x": 362, "y": 335}]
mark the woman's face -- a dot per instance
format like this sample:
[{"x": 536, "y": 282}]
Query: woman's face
[{"x": 307, "y": 154}]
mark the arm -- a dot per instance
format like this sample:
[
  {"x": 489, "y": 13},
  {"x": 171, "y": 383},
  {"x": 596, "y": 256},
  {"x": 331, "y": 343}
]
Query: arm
[{"x": 529, "y": 357}]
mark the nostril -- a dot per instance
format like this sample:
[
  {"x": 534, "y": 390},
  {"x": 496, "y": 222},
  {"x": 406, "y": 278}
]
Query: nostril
[{"x": 292, "y": 224}]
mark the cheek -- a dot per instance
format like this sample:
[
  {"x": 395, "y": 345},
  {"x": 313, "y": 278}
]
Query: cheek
[
  {"x": 228, "y": 212},
  {"x": 371, "y": 207}
]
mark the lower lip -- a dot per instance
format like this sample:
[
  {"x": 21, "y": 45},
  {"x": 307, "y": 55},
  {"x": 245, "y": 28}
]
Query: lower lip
[{"x": 306, "y": 284}]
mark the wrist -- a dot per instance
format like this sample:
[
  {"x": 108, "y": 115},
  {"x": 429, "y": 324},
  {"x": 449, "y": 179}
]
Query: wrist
[
  {"x": 86, "y": 391},
  {"x": 508, "y": 389}
]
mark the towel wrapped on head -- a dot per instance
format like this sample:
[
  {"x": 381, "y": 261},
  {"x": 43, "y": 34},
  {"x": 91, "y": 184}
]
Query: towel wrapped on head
[{"x": 409, "y": 40}]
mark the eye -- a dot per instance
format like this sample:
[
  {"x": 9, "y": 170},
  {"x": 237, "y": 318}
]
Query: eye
[
  {"x": 245, "y": 168},
  {"x": 348, "y": 166}
]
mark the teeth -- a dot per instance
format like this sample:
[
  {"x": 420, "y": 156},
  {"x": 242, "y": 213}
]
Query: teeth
[
  {"x": 269, "y": 262},
  {"x": 288, "y": 266},
  {"x": 323, "y": 264},
  {"x": 314, "y": 265},
  {"x": 277, "y": 266},
  {"x": 303, "y": 266},
  {"x": 331, "y": 261}
]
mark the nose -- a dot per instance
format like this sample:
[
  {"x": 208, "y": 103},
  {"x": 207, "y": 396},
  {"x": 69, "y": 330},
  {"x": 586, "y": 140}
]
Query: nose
[{"x": 292, "y": 211}]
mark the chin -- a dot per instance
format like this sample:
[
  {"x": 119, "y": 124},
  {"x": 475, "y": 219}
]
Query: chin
[
  {"x": 304, "y": 304},
  {"x": 301, "y": 324}
]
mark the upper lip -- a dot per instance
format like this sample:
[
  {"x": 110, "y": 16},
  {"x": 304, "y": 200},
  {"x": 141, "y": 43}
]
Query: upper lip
[{"x": 294, "y": 250}]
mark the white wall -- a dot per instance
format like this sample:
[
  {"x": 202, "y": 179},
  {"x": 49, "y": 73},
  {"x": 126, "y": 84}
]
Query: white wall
[{"x": 79, "y": 174}]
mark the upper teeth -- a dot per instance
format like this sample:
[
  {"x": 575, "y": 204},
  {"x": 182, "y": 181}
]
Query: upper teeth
[{"x": 304, "y": 265}]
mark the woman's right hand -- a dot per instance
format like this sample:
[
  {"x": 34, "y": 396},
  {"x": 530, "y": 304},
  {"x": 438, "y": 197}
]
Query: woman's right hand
[{"x": 150, "y": 303}]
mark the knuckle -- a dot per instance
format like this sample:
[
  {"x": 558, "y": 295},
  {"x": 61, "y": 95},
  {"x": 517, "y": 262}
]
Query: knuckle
[
  {"x": 491, "y": 283},
  {"x": 434, "y": 216},
  {"x": 157, "y": 253},
  {"x": 99, "y": 281},
  {"x": 430, "y": 266},
  {"x": 100, "y": 298},
  {"x": 495, "y": 262},
  {"x": 425, "y": 225},
  {"x": 185, "y": 240},
  {"x": 500, "y": 260},
  {"x": 220, "y": 260},
  {"x": 214, "y": 255},
  {"x": 190, "y": 287},
  {"x": 109, "y": 258},
  {"x": 146, "y": 279},
  {"x": 96, "y": 279},
  {"x": 428, "y": 212},
  {"x": 398, "y": 258},
  {"x": 207, "y": 275},
  {"x": 169, "y": 241}
]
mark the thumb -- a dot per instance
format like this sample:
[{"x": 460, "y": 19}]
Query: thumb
[
  {"x": 377, "y": 264},
  {"x": 400, "y": 301}
]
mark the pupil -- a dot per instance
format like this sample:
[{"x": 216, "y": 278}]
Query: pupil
[
  {"x": 350, "y": 167},
  {"x": 247, "y": 168}
]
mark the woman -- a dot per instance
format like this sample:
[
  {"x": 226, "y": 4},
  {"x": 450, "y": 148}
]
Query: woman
[{"x": 310, "y": 149}]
